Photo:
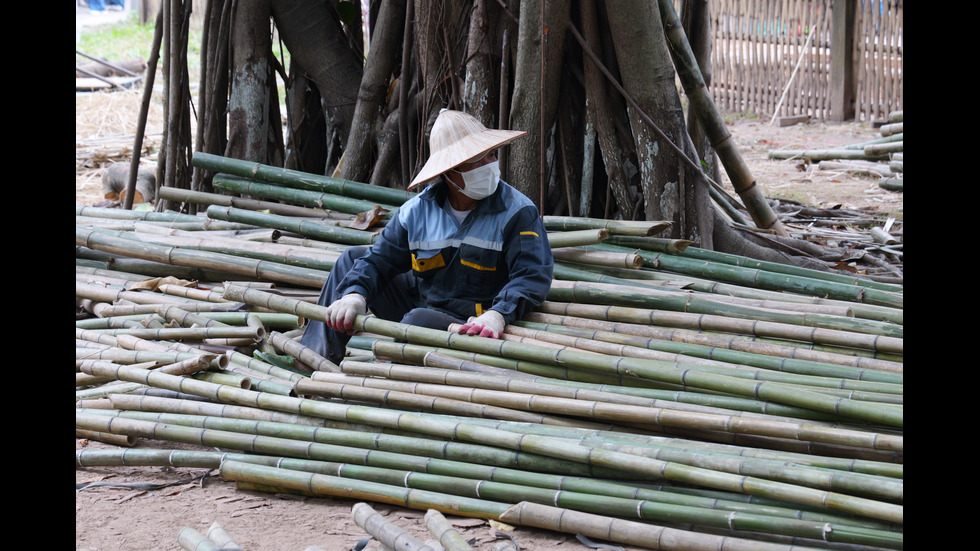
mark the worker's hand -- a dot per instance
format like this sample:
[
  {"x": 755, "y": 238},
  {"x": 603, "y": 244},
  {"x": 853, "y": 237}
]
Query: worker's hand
[
  {"x": 490, "y": 324},
  {"x": 341, "y": 313}
]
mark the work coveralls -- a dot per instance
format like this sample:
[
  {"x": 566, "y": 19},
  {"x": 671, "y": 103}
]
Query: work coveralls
[{"x": 426, "y": 269}]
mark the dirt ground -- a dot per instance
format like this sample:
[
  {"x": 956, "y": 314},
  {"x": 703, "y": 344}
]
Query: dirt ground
[{"x": 120, "y": 518}]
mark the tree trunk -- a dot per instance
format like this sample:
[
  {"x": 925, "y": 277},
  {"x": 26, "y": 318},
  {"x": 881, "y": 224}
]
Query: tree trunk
[
  {"x": 248, "y": 105},
  {"x": 381, "y": 62},
  {"x": 315, "y": 39},
  {"x": 532, "y": 108}
]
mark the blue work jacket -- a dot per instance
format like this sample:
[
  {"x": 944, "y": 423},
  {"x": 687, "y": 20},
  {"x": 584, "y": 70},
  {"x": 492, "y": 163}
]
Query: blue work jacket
[{"x": 498, "y": 258}]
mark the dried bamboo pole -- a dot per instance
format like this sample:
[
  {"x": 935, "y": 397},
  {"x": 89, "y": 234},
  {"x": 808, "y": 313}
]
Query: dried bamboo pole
[
  {"x": 302, "y": 353},
  {"x": 550, "y": 447},
  {"x": 224, "y": 540},
  {"x": 192, "y": 540},
  {"x": 612, "y": 227},
  {"x": 448, "y": 537},
  {"x": 597, "y": 258},
  {"x": 317, "y": 259},
  {"x": 576, "y": 238},
  {"x": 385, "y": 531},
  {"x": 267, "y": 271},
  {"x": 304, "y": 227}
]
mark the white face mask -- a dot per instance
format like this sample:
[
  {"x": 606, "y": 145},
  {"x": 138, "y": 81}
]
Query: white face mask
[{"x": 480, "y": 182}]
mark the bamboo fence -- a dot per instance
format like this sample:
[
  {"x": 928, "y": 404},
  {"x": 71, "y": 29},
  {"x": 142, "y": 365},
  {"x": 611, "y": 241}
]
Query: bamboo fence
[
  {"x": 774, "y": 59},
  {"x": 662, "y": 396}
]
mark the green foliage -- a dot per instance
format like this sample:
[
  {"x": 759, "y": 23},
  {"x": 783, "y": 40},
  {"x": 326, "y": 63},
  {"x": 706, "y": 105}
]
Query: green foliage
[{"x": 127, "y": 40}]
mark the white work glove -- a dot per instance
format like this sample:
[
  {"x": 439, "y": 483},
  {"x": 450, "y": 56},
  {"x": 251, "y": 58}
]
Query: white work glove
[
  {"x": 489, "y": 324},
  {"x": 341, "y": 313}
]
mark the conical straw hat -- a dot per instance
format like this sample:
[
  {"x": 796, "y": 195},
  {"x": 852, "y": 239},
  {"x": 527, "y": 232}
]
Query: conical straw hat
[{"x": 458, "y": 137}]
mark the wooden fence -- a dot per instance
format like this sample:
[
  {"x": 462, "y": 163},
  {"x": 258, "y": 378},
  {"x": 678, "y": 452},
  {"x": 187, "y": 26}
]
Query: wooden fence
[{"x": 798, "y": 57}]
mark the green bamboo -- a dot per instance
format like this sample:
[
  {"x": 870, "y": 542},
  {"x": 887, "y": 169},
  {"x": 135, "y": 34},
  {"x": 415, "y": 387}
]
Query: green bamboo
[
  {"x": 270, "y": 435},
  {"x": 209, "y": 459},
  {"x": 204, "y": 198},
  {"x": 826, "y": 155},
  {"x": 122, "y": 214},
  {"x": 724, "y": 355},
  {"x": 305, "y": 227},
  {"x": 268, "y": 271},
  {"x": 724, "y": 324},
  {"x": 417, "y": 402},
  {"x": 587, "y": 292},
  {"x": 422, "y": 355},
  {"x": 763, "y": 278},
  {"x": 300, "y": 180},
  {"x": 698, "y": 253},
  {"x": 704, "y": 341},
  {"x": 550, "y": 447},
  {"x": 304, "y": 198},
  {"x": 791, "y": 301},
  {"x": 536, "y": 399}
]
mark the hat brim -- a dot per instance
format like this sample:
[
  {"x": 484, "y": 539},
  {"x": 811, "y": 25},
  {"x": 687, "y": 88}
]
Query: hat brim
[{"x": 469, "y": 147}]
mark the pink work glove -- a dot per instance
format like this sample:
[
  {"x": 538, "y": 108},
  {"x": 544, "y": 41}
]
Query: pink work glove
[
  {"x": 490, "y": 324},
  {"x": 341, "y": 313}
]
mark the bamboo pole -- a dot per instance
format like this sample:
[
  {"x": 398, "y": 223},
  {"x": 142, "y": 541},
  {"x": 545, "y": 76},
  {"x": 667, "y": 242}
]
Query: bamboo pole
[
  {"x": 666, "y": 495},
  {"x": 448, "y": 537},
  {"x": 261, "y": 270},
  {"x": 539, "y": 399},
  {"x": 192, "y": 540},
  {"x": 304, "y": 198},
  {"x": 304, "y": 227},
  {"x": 385, "y": 531},
  {"x": 204, "y": 198},
  {"x": 708, "y": 322},
  {"x": 300, "y": 180},
  {"x": 551, "y": 447},
  {"x": 775, "y": 392}
]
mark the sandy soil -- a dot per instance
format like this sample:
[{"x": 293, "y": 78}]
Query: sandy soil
[{"x": 120, "y": 518}]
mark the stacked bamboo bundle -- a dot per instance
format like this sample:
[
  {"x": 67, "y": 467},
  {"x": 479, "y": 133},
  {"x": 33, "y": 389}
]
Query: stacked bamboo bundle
[
  {"x": 881, "y": 156},
  {"x": 663, "y": 396}
]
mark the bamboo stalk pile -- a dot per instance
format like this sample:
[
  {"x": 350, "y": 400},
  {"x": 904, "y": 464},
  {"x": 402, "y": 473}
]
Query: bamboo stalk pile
[
  {"x": 663, "y": 396},
  {"x": 882, "y": 156}
]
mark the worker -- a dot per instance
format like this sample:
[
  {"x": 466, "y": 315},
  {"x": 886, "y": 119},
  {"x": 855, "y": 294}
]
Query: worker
[{"x": 469, "y": 249}]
